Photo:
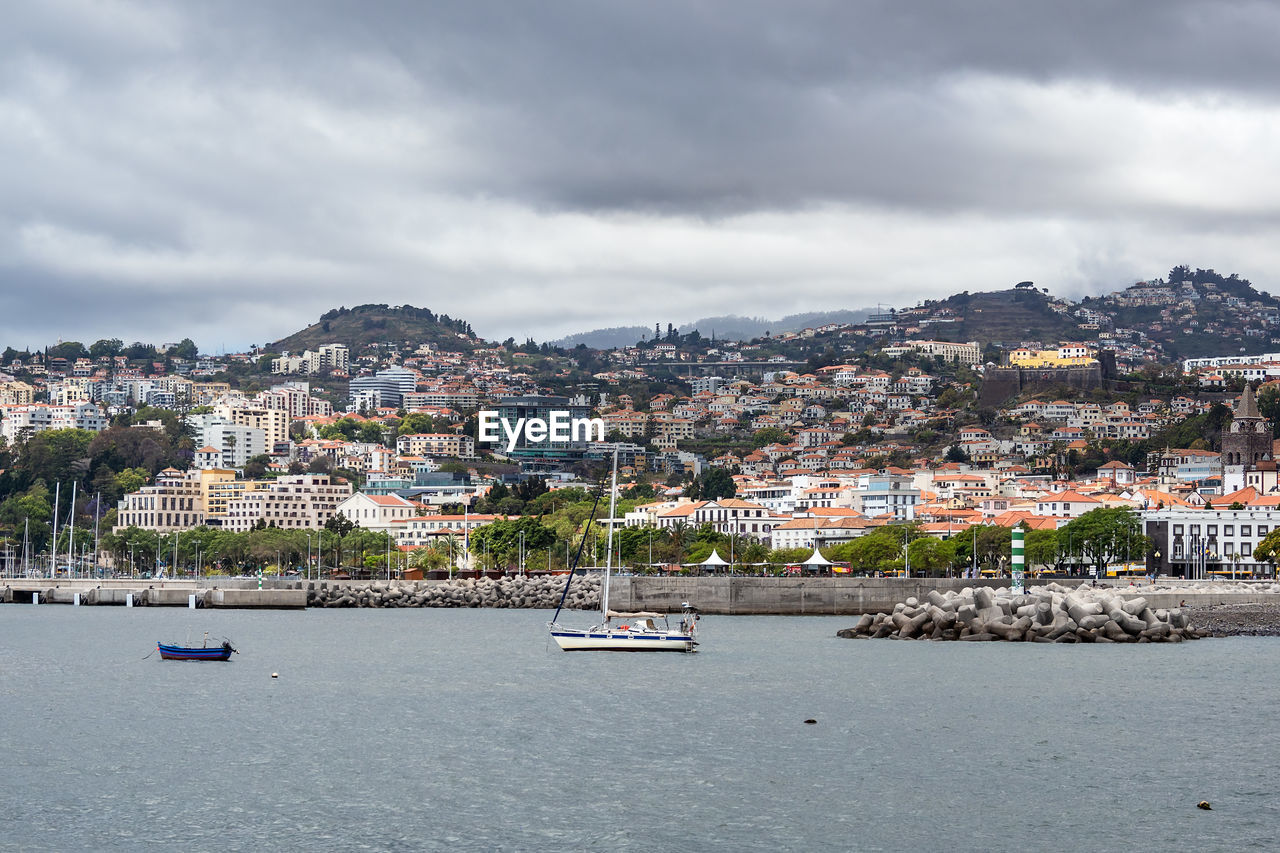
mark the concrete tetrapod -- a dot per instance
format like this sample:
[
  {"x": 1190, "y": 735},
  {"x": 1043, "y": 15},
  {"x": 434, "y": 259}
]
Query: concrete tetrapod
[{"x": 1050, "y": 613}]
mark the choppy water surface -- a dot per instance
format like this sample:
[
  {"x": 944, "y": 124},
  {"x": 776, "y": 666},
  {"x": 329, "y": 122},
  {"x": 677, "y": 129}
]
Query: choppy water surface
[{"x": 466, "y": 730}]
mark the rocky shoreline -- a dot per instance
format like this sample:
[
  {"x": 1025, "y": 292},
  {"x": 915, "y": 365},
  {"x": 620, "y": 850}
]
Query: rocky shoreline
[{"x": 1236, "y": 620}]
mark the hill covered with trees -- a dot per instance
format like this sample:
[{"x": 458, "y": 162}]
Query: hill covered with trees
[{"x": 364, "y": 325}]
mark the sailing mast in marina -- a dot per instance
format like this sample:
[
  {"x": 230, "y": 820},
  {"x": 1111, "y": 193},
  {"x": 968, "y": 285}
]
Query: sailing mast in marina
[{"x": 623, "y": 632}]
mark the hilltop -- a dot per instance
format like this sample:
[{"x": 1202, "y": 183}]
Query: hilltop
[
  {"x": 729, "y": 327},
  {"x": 1002, "y": 317},
  {"x": 366, "y": 325}
]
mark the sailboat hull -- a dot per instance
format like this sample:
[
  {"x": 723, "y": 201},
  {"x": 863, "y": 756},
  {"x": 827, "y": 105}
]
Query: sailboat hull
[{"x": 623, "y": 641}]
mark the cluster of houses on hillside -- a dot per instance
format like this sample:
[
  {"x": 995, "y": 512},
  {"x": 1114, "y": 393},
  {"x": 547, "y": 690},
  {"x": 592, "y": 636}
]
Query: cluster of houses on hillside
[
  {"x": 820, "y": 477},
  {"x": 1202, "y": 508}
]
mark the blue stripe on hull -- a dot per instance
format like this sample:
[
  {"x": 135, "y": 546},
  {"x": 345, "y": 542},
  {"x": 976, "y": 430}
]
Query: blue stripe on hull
[{"x": 614, "y": 642}]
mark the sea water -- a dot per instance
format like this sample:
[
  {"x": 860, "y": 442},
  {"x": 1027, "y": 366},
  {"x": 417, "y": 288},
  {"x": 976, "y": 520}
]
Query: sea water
[{"x": 469, "y": 730}]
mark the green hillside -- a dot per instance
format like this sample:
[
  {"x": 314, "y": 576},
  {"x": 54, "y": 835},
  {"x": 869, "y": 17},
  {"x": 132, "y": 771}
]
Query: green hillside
[
  {"x": 1009, "y": 316},
  {"x": 366, "y": 325}
]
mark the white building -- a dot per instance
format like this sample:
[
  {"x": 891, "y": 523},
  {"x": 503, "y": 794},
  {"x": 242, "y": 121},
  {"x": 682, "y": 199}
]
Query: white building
[
  {"x": 885, "y": 494},
  {"x": 334, "y": 357},
  {"x": 376, "y": 512},
  {"x": 1195, "y": 543},
  {"x": 236, "y": 443},
  {"x": 303, "y": 501},
  {"x": 38, "y": 417}
]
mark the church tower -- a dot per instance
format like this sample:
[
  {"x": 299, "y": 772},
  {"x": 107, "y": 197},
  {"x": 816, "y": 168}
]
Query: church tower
[{"x": 1245, "y": 443}]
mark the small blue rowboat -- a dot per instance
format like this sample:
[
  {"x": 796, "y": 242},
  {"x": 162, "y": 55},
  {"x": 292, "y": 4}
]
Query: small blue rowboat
[{"x": 222, "y": 652}]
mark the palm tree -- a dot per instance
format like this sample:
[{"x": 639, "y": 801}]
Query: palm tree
[{"x": 676, "y": 535}]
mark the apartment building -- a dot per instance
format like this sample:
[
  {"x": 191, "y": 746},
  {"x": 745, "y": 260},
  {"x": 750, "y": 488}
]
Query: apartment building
[
  {"x": 436, "y": 444},
  {"x": 301, "y": 501},
  {"x": 38, "y": 417},
  {"x": 175, "y": 501},
  {"x": 273, "y": 422}
]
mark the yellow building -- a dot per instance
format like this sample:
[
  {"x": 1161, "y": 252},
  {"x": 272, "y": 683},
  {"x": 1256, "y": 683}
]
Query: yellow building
[
  {"x": 1068, "y": 355},
  {"x": 221, "y": 487},
  {"x": 16, "y": 394}
]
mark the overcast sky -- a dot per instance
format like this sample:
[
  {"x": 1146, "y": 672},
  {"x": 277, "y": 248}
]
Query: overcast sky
[{"x": 228, "y": 171}]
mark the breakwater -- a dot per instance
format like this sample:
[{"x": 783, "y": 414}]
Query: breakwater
[
  {"x": 1047, "y": 614},
  {"x": 512, "y": 592}
]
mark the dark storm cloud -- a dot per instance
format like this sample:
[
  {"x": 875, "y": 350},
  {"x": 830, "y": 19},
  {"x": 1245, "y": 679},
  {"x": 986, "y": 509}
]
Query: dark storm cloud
[{"x": 240, "y": 165}]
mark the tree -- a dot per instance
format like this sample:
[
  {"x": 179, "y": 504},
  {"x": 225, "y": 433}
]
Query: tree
[
  {"x": 1042, "y": 548},
  {"x": 339, "y": 525},
  {"x": 256, "y": 466},
  {"x": 416, "y": 423},
  {"x": 1268, "y": 548},
  {"x": 712, "y": 484},
  {"x": 371, "y": 432},
  {"x": 185, "y": 349},
  {"x": 769, "y": 435},
  {"x": 70, "y": 350},
  {"x": 502, "y": 539},
  {"x": 1101, "y": 535},
  {"x": 879, "y": 550},
  {"x": 105, "y": 347},
  {"x": 931, "y": 555},
  {"x": 137, "y": 351}
]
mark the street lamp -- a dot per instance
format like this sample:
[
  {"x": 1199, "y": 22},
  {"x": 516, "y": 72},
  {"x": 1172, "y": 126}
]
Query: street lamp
[{"x": 906, "y": 552}]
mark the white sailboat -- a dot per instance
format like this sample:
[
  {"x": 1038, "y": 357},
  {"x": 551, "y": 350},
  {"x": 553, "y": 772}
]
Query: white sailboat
[{"x": 625, "y": 632}]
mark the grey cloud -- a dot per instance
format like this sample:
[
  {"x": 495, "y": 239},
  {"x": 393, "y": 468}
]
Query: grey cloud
[{"x": 263, "y": 162}]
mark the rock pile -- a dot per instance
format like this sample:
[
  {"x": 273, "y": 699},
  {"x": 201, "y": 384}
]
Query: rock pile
[
  {"x": 1048, "y": 614},
  {"x": 1238, "y": 620},
  {"x": 522, "y": 592}
]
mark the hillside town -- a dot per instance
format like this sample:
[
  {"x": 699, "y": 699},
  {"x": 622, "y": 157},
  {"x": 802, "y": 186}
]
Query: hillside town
[{"x": 789, "y": 452}]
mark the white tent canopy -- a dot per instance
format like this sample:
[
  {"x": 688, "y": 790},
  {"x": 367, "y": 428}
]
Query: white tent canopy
[
  {"x": 714, "y": 560},
  {"x": 816, "y": 559}
]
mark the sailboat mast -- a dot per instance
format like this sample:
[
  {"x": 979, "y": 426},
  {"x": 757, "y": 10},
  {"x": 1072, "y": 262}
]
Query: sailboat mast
[
  {"x": 608, "y": 559},
  {"x": 53, "y": 549},
  {"x": 71, "y": 545},
  {"x": 97, "y": 516}
]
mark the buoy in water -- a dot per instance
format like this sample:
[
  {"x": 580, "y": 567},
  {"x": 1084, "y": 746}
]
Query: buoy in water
[
  {"x": 1204, "y": 804},
  {"x": 810, "y": 722},
  {"x": 275, "y": 675}
]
